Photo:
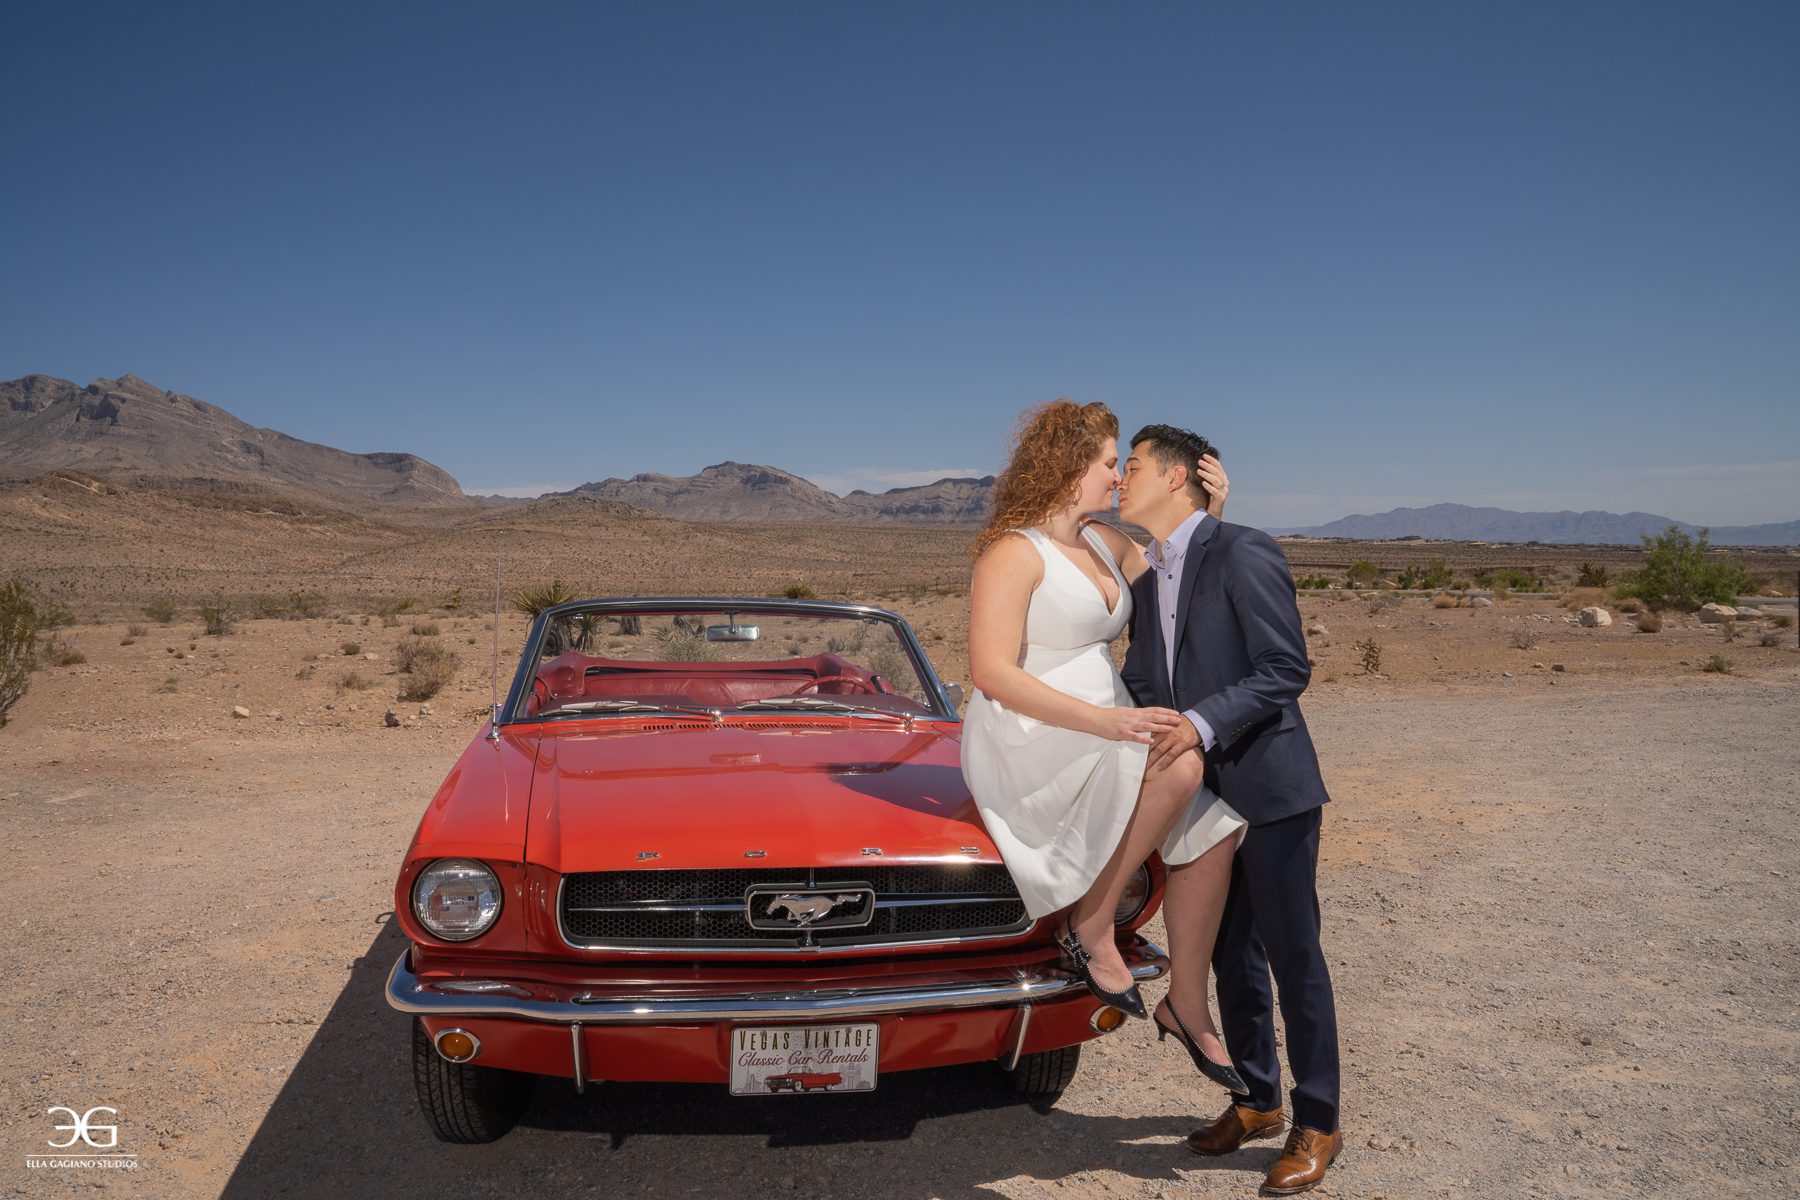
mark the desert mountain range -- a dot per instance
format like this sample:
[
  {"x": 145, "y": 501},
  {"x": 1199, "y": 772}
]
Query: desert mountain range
[
  {"x": 1461, "y": 523},
  {"x": 129, "y": 430}
]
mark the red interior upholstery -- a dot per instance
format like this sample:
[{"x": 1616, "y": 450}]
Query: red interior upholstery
[{"x": 575, "y": 676}]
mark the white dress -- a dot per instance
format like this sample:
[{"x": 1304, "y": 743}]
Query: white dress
[{"x": 1055, "y": 800}]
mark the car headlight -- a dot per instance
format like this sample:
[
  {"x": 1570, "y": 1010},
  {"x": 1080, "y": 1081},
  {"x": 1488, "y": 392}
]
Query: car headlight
[
  {"x": 1135, "y": 896},
  {"x": 456, "y": 899}
]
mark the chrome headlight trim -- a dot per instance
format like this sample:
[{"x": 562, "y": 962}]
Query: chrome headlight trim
[
  {"x": 1134, "y": 897},
  {"x": 457, "y": 871}
]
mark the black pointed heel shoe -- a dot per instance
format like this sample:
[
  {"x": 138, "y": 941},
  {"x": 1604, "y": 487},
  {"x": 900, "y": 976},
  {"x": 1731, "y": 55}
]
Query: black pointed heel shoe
[
  {"x": 1220, "y": 1073},
  {"x": 1076, "y": 958}
]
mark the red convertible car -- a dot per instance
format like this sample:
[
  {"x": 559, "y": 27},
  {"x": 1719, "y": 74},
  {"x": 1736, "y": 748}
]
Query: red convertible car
[{"x": 723, "y": 841}]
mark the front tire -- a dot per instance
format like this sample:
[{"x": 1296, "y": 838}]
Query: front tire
[
  {"x": 465, "y": 1103},
  {"x": 1046, "y": 1073}
]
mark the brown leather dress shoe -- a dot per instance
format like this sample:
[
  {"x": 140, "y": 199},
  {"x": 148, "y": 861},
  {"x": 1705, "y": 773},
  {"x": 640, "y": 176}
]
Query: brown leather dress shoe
[
  {"x": 1235, "y": 1126},
  {"x": 1303, "y": 1160}
]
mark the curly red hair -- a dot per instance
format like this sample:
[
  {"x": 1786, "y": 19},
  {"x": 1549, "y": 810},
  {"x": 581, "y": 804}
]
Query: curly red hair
[{"x": 1053, "y": 448}]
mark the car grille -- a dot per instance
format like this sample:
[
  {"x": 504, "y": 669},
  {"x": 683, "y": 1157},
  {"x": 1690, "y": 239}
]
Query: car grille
[{"x": 683, "y": 910}]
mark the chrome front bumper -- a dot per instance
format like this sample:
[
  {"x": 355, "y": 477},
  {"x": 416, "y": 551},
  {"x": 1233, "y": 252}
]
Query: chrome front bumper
[{"x": 997, "y": 988}]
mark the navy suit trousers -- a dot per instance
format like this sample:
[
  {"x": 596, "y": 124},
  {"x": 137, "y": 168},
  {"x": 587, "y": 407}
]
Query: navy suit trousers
[{"x": 1271, "y": 926}]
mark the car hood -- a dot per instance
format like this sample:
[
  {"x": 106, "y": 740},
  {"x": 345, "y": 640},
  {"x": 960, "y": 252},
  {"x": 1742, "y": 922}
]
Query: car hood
[{"x": 706, "y": 796}]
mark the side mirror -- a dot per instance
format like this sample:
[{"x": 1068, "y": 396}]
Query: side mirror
[{"x": 955, "y": 694}]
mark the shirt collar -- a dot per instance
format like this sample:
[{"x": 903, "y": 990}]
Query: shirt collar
[{"x": 1165, "y": 554}]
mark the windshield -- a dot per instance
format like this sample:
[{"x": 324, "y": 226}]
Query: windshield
[{"x": 619, "y": 662}]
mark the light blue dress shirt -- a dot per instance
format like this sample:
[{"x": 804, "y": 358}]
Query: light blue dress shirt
[{"x": 1165, "y": 558}]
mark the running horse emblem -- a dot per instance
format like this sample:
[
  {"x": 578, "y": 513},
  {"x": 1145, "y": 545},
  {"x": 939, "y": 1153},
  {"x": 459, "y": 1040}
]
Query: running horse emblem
[{"x": 805, "y": 910}]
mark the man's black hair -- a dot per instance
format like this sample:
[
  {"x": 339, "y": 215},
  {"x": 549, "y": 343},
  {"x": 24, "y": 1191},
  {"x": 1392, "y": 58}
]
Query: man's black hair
[{"x": 1173, "y": 447}]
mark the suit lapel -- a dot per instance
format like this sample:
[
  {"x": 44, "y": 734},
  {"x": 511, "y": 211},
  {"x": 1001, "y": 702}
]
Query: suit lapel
[{"x": 1190, "y": 579}]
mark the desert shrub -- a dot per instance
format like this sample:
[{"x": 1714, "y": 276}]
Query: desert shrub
[
  {"x": 1371, "y": 656},
  {"x": 350, "y": 681},
  {"x": 160, "y": 611},
  {"x": 798, "y": 591},
  {"x": 452, "y": 601},
  {"x": 1782, "y": 621},
  {"x": 1590, "y": 575},
  {"x": 891, "y": 664},
  {"x": 1631, "y": 606},
  {"x": 268, "y": 607},
  {"x": 21, "y": 642},
  {"x": 1444, "y": 600},
  {"x": 305, "y": 672},
  {"x": 349, "y": 649},
  {"x": 534, "y": 600},
  {"x": 1313, "y": 582},
  {"x": 1772, "y": 638},
  {"x": 1507, "y": 579},
  {"x": 428, "y": 667},
  {"x": 219, "y": 618},
  {"x": 64, "y": 655},
  {"x": 1524, "y": 639},
  {"x": 1717, "y": 665},
  {"x": 1728, "y": 629},
  {"x": 137, "y": 631},
  {"x": 1362, "y": 573},
  {"x": 306, "y": 604},
  {"x": 1679, "y": 573},
  {"x": 681, "y": 643},
  {"x": 1501, "y": 593},
  {"x": 425, "y": 629},
  {"x": 169, "y": 684},
  {"x": 1433, "y": 575},
  {"x": 1383, "y": 602},
  {"x": 390, "y": 622}
]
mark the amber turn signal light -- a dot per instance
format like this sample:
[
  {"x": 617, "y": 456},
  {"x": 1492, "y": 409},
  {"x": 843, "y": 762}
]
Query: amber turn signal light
[
  {"x": 1107, "y": 1019},
  {"x": 459, "y": 1047}
]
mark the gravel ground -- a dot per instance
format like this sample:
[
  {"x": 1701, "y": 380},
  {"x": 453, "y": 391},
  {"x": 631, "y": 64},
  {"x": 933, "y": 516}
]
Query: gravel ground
[{"x": 1562, "y": 922}]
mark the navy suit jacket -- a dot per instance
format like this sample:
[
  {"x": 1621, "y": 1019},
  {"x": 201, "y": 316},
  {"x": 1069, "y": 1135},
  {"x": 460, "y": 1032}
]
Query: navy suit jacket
[{"x": 1240, "y": 662}]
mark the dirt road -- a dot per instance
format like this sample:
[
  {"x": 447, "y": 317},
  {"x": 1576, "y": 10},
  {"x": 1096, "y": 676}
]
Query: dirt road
[{"x": 1562, "y": 921}]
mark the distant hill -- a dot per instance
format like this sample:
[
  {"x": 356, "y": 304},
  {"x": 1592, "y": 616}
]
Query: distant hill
[
  {"x": 1461, "y": 523},
  {"x": 127, "y": 428},
  {"x": 732, "y": 491}
]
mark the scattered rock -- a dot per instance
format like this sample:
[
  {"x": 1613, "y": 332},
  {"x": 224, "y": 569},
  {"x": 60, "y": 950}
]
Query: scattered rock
[
  {"x": 1594, "y": 617},
  {"x": 391, "y": 719},
  {"x": 240, "y": 712},
  {"x": 1717, "y": 614},
  {"x": 370, "y": 656},
  {"x": 1537, "y": 666},
  {"x": 424, "y": 710},
  {"x": 1556, "y": 667},
  {"x": 1753, "y": 613},
  {"x": 1316, "y": 630},
  {"x": 1480, "y": 602},
  {"x": 1506, "y": 674}
]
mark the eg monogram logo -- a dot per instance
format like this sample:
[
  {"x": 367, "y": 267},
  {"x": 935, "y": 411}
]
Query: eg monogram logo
[{"x": 81, "y": 1128}]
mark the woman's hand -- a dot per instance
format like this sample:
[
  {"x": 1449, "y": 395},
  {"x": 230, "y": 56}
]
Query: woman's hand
[
  {"x": 1143, "y": 725},
  {"x": 1212, "y": 475}
]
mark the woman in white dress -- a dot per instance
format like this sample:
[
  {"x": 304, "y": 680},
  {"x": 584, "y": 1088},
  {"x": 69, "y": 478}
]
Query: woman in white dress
[{"x": 1054, "y": 750}]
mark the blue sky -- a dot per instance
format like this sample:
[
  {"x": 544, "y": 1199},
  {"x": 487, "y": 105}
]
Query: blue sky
[{"x": 1532, "y": 255}]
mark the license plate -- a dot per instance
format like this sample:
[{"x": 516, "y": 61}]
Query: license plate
[{"x": 775, "y": 1060}]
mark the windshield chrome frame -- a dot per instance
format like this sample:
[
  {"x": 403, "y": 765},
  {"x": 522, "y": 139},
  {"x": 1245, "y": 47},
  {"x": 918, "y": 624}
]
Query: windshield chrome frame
[{"x": 942, "y": 709}]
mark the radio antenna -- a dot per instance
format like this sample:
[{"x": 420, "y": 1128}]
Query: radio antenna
[{"x": 494, "y": 706}]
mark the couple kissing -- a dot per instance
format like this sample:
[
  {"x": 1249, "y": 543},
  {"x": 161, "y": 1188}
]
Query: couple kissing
[{"x": 1197, "y": 751}]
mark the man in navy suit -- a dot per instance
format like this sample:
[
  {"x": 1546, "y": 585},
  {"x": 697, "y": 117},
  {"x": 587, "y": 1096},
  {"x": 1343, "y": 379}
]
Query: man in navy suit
[{"x": 1216, "y": 635}]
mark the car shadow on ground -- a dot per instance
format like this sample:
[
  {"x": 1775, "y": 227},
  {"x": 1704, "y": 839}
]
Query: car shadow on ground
[{"x": 346, "y": 1124}]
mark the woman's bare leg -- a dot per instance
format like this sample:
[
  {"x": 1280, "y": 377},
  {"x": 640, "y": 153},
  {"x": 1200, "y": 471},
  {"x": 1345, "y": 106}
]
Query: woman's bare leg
[
  {"x": 1161, "y": 801},
  {"x": 1193, "y": 901}
]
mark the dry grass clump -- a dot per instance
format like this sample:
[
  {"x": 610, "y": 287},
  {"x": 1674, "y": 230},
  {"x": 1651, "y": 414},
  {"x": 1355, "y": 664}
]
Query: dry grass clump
[
  {"x": 1371, "y": 656},
  {"x": 219, "y": 618},
  {"x": 350, "y": 649},
  {"x": 160, "y": 611},
  {"x": 1445, "y": 600},
  {"x": 428, "y": 668},
  {"x": 425, "y": 629},
  {"x": 1782, "y": 621},
  {"x": 1717, "y": 665},
  {"x": 350, "y": 681},
  {"x": 169, "y": 684},
  {"x": 1524, "y": 639},
  {"x": 1774, "y": 639},
  {"x": 1728, "y": 629},
  {"x": 1585, "y": 597},
  {"x": 1649, "y": 622}
]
